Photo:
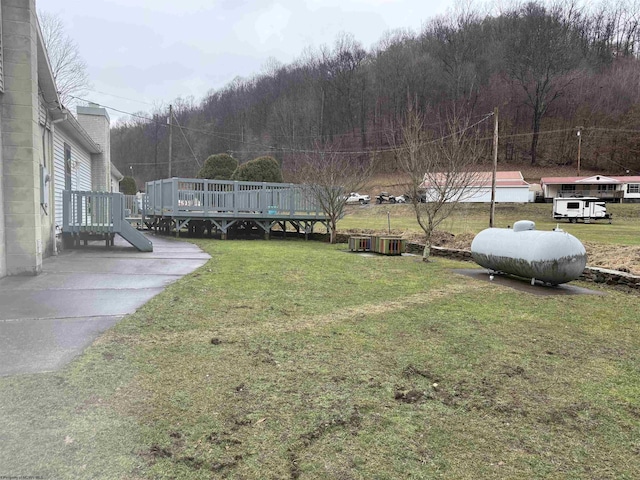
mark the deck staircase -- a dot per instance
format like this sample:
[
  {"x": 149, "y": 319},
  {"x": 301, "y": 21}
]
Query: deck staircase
[{"x": 98, "y": 216}]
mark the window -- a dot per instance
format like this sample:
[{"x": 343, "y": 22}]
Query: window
[
  {"x": 633, "y": 188},
  {"x": 568, "y": 188},
  {"x": 573, "y": 205},
  {"x": 606, "y": 188}
]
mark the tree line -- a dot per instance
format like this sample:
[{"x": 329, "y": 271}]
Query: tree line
[{"x": 550, "y": 68}]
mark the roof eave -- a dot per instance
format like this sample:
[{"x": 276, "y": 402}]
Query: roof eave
[
  {"x": 116, "y": 173},
  {"x": 46, "y": 80},
  {"x": 79, "y": 133}
]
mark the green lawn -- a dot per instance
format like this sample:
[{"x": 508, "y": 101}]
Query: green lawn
[
  {"x": 625, "y": 229},
  {"x": 292, "y": 359}
]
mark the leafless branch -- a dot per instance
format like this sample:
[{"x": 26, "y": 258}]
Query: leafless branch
[
  {"x": 442, "y": 167},
  {"x": 69, "y": 68},
  {"x": 331, "y": 175}
]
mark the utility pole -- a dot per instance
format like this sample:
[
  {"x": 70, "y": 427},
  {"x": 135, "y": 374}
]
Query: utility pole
[
  {"x": 579, "y": 145},
  {"x": 155, "y": 166},
  {"x": 170, "y": 122},
  {"x": 495, "y": 167}
]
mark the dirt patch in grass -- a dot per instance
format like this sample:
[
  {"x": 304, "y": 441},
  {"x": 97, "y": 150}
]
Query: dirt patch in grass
[
  {"x": 624, "y": 258},
  {"x": 408, "y": 396},
  {"x": 350, "y": 422},
  {"x": 410, "y": 301}
]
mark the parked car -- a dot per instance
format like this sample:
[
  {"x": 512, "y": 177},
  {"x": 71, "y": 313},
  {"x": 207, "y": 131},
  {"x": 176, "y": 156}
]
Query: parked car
[
  {"x": 355, "y": 197},
  {"x": 401, "y": 199},
  {"x": 385, "y": 197},
  {"x": 407, "y": 198}
]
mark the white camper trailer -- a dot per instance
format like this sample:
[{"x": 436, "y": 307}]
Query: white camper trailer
[{"x": 580, "y": 208}]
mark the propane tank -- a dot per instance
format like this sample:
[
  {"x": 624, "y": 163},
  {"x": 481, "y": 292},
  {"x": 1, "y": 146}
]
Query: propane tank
[{"x": 553, "y": 257}]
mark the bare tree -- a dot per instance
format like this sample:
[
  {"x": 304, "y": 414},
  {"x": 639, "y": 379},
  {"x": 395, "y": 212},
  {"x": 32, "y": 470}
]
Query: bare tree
[
  {"x": 441, "y": 170},
  {"x": 69, "y": 68},
  {"x": 331, "y": 175},
  {"x": 542, "y": 55}
]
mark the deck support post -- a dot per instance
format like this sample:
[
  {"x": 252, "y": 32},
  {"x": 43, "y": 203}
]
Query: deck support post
[{"x": 180, "y": 224}]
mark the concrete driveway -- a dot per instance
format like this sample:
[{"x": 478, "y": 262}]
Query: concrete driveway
[{"x": 45, "y": 321}]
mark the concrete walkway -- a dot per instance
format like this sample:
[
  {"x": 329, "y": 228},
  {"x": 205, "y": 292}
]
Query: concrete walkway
[{"x": 47, "y": 320}]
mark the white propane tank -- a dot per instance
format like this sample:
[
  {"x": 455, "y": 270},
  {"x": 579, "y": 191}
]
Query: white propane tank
[{"x": 553, "y": 257}]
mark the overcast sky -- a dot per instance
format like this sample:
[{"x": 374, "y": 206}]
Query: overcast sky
[{"x": 149, "y": 52}]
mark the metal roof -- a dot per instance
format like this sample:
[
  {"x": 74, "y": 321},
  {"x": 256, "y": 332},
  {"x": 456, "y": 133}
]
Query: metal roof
[
  {"x": 593, "y": 179},
  {"x": 483, "y": 179}
]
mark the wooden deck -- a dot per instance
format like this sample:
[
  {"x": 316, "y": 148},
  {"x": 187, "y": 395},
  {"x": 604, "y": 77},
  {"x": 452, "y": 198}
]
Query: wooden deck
[{"x": 200, "y": 205}]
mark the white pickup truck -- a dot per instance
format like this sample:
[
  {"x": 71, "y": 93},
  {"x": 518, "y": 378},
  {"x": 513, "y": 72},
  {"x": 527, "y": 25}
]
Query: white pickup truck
[{"x": 355, "y": 197}]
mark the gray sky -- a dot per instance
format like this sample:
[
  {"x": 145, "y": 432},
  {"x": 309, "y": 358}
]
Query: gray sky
[{"x": 153, "y": 51}]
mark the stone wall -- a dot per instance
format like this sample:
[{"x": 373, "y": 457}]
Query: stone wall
[{"x": 611, "y": 277}]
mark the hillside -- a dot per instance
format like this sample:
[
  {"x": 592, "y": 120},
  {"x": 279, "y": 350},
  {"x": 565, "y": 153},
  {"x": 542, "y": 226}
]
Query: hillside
[{"x": 551, "y": 71}]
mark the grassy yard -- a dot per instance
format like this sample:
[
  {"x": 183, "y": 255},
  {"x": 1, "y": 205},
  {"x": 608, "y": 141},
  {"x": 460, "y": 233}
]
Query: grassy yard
[
  {"x": 292, "y": 359},
  {"x": 625, "y": 229}
]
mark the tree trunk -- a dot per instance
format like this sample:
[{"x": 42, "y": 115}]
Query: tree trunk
[
  {"x": 332, "y": 232},
  {"x": 534, "y": 139},
  {"x": 426, "y": 252}
]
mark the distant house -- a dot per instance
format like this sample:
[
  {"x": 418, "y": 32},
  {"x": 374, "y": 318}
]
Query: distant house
[
  {"x": 45, "y": 149},
  {"x": 608, "y": 188},
  {"x": 510, "y": 188}
]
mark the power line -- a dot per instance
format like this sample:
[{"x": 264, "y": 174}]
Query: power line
[
  {"x": 188, "y": 144},
  {"x": 272, "y": 149},
  {"x": 117, "y": 110},
  {"x": 118, "y": 96}
]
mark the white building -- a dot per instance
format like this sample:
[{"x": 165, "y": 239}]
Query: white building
[
  {"x": 510, "y": 188},
  {"x": 611, "y": 188},
  {"x": 45, "y": 149}
]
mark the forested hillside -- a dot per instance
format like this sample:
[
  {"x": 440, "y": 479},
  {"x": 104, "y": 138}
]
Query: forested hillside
[{"x": 550, "y": 69}]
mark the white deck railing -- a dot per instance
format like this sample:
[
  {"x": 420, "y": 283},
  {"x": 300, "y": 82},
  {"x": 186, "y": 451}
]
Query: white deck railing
[
  {"x": 94, "y": 212},
  {"x": 207, "y": 198}
]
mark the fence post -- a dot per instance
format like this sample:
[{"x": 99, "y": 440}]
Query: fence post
[
  {"x": 263, "y": 203},
  {"x": 174, "y": 196},
  {"x": 81, "y": 204},
  {"x": 117, "y": 211},
  {"x": 66, "y": 206},
  {"x": 292, "y": 199},
  {"x": 206, "y": 200},
  {"x": 235, "y": 197}
]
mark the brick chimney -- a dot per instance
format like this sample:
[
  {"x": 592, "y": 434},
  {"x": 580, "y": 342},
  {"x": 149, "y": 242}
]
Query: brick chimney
[{"x": 95, "y": 120}]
